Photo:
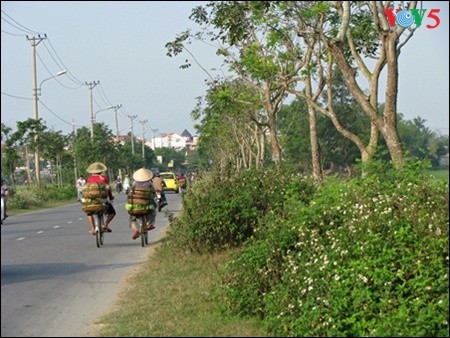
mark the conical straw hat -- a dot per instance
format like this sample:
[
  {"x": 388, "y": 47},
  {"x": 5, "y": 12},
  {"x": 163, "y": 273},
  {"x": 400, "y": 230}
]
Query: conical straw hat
[
  {"x": 96, "y": 167},
  {"x": 143, "y": 175}
]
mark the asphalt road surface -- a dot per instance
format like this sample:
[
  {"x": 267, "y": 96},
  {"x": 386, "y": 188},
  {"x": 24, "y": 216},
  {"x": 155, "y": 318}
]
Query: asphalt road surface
[{"x": 55, "y": 282}]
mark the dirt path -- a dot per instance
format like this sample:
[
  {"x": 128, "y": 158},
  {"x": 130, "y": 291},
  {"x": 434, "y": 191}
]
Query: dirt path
[{"x": 125, "y": 285}]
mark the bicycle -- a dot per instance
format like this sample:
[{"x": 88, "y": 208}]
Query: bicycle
[
  {"x": 96, "y": 205},
  {"x": 140, "y": 225},
  {"x": 158, "y": 200},
  {"x": 98, "y": 213},
  {"x": 98, "y": 222},
  {"x": 141, "y": 221}
]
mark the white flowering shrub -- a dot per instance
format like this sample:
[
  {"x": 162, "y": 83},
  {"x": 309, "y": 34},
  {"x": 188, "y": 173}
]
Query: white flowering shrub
[
  {"x": 222, "y": 211},
  {"x": 366, "y": 257}
]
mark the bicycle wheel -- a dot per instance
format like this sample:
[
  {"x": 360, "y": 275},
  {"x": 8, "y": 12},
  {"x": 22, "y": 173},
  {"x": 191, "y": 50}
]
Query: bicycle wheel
[
  {"x": 98, "y": 219},
  {"x": 146, "y": 231},
  {"x": 142, "y": 229},
  {"x": 158, "y": 204},
  {"x": 101, "y": 221}
]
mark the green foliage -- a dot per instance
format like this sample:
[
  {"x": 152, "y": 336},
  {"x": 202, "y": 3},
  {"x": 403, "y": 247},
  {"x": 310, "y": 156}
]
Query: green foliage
[
  {"x": 442, "y": 174},
  {"x": 258, "y": 67},
  {"x": 10, "y": 156},
  {"x": 256, "y": 270},
  {"x": 168, "y": 155},
  {"x": 214, "y": 216},
  {"x": 169, "y": 297},
  {"x": 224, "y": 211},
  {"x": 364, "y": 33},
  {"x": 116, "y": 156},
  {"x": 420, "y": 142},
  {"x": 27, "y": 197},
  {"x": 88, "y": 150},
  {"x": 366, "y": 257}
]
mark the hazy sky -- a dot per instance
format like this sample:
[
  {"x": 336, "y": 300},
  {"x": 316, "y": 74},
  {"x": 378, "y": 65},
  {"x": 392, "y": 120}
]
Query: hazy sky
[{"x": 122, "y": 45}]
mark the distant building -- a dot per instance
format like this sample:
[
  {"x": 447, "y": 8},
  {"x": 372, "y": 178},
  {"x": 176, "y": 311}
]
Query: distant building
[
  {"x": 443, "y": 160},
  {"x": 123, "y": 138},
  {"x": 174, "y": 140},
  {"x": 166, "y": 140}
]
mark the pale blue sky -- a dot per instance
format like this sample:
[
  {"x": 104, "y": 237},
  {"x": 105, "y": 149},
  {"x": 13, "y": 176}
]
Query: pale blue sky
[{"x": 122, "y": 45}]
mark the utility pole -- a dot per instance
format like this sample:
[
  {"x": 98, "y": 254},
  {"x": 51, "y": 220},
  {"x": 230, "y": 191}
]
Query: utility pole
[
  {"x": 34, "y": 42},
  {"x": 75, "y": 170},
  {"x": 154, "y": 137},
  {"x": 91, "y": 86},
  {"x": 143, "y": 139},
  {"x": 116, "y": 108},
  {"x": 132, "y": 117}
]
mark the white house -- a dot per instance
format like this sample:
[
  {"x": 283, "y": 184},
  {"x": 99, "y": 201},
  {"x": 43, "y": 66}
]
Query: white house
[
  {"x": 167, "y": 140},
  {"x": 174, "y": 140}
]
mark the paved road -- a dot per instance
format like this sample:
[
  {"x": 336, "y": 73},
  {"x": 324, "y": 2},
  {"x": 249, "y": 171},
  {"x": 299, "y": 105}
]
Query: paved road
[{"x": 54, "y": 280}]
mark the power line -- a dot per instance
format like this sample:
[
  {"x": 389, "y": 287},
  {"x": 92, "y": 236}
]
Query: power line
[
  {"x": 54, "y": 55},
  {"x": 17, "y": 97},
  {"x": 54, "y": 114},
  {"x": 12, "y": 33},
  {"x": 25, "y": 29}
]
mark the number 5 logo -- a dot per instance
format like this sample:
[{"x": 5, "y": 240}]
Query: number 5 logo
[
  {"x": 431, "y": 15},
  {"x": 405, "y": 18}
]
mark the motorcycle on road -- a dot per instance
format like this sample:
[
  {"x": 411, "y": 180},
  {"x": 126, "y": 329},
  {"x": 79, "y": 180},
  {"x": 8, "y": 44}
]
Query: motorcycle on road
[{"x": 126, "y": 187}]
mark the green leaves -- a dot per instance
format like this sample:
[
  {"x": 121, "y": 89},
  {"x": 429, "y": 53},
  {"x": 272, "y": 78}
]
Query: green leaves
[
  {"x": 358, "y": 257},
  {"x": 257, "y": 64}
]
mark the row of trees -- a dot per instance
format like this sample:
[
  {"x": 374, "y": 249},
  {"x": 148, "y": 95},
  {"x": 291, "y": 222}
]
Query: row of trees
[
  {"x": 338, "y": 154},
  {"x": 68, "y": 156},
  {"x": 223, "y": 140},
  {"x": 314, "y": 51}
]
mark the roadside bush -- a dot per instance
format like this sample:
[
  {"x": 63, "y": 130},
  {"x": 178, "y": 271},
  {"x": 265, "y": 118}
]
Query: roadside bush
[
  {"x": 214, "y": 216},
  {"x": 224, "y": 211},
  {"x": 367, "y": 257},
  {"x": 27, "y": 197},
  {"x": 256, "y": 269}
]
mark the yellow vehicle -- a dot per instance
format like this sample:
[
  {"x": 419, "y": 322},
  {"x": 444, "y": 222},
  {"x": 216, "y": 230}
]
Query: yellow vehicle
[{"x": 170, "y": 181}]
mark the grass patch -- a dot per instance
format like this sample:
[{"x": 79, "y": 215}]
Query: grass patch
[
  {"x": 170, "y": 295},
  {"x": 48, "y": 205},
  {"x": 440, "y": 174}
]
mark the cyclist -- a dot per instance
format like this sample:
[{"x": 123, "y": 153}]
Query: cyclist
[
  {"x": 158, "y": 184},
  {"x": 126, "y": 185},
  {"x": 143, "y": 178},
  {"x": 80, "y": 185},
  {"x": 96, "y": 170},
  {"x": 119, "y": 184}
]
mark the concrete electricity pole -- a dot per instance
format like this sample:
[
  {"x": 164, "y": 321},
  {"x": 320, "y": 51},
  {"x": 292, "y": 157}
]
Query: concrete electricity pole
[
  {"x": 91, "y": 86},
  {"x": 132, "y": 117},
  {"x": 143, "y": 139},
  {"x": 116, "y": 108},
  {"x": 34, "y": 42}
]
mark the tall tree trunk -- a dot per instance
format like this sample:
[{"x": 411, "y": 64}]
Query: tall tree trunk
[
  {"x": 262, "y": 146},
  {"x": 389, "y": 52},
  {"x": 53, "y": 168},
  {"x": 389, "y": 128},
  {"x": 315, "y": 151},
  {"x": 27, "y": 161},
  {"x": 276, "y": 150}
]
